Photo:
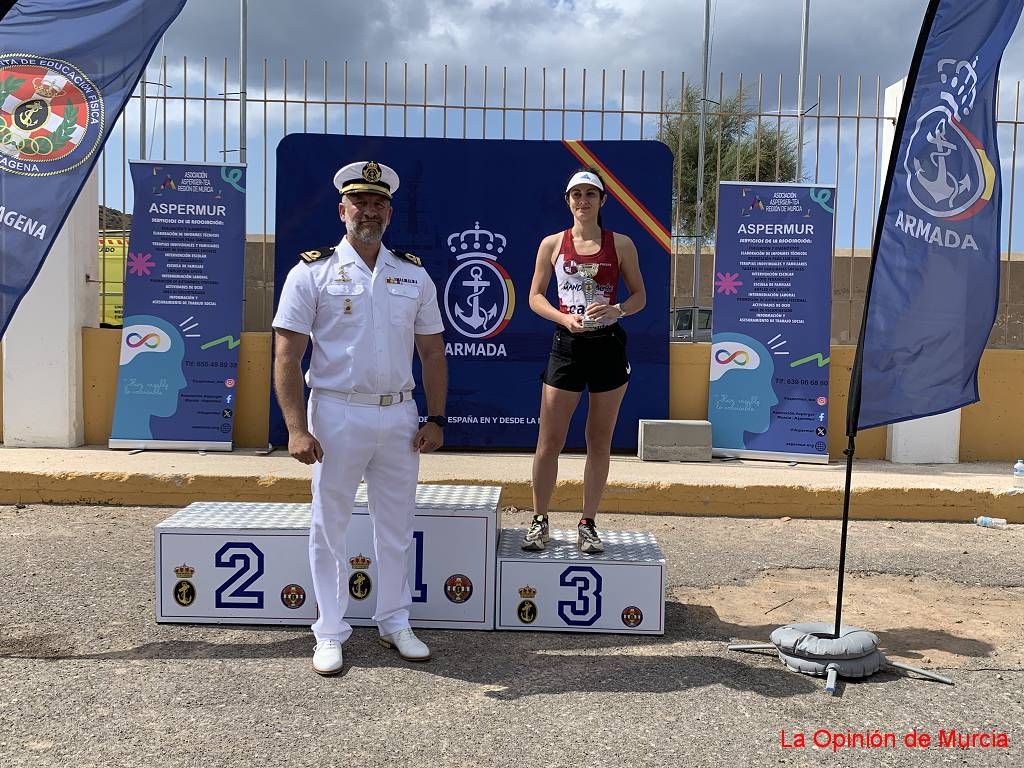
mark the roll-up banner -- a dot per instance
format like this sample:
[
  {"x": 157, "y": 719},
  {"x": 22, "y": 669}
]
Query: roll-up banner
[
  {"x": 182, "y": 308},
  {"x": 768, "y": 397}
]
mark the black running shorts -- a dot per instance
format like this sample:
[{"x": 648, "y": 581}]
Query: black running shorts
[{"x": 594, "y": 360}]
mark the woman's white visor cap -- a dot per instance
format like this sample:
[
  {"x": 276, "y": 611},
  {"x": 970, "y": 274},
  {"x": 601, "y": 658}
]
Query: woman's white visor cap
[{"x": 584, "y": 177}]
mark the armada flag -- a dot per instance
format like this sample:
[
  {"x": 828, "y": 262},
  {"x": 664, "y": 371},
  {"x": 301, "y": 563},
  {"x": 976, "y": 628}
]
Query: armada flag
[
  {"x": 934, "y": 283},
  {"x": 67, "y": 68}
]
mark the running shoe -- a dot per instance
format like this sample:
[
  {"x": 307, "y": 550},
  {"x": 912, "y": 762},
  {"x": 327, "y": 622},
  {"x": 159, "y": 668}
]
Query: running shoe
[
  {"x": 588, "y": 541},
  {"x": 536, "y": 538}
]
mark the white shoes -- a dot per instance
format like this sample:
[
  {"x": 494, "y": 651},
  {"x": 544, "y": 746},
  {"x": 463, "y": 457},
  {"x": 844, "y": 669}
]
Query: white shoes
[
  {"x": 327, "y": 657},
  {"x": 408, "y": 645}
]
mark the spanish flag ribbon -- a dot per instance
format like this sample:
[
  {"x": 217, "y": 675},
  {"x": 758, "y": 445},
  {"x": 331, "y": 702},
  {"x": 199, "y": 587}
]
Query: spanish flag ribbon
[{"x": 621, "y": 192}]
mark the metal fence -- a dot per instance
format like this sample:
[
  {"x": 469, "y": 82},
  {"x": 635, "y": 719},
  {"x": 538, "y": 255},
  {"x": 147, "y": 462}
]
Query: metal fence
[{"x": 191, "y": 111}]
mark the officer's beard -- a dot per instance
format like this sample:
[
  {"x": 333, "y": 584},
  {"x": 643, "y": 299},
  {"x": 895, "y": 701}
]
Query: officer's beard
[{"x": 367, "y": 232}]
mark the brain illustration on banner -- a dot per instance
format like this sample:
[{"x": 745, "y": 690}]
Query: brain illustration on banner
[
  {"x": 141, "y": 338},
  {"x": 742, "y": 395},
  {"x": 150, "y": 375}
]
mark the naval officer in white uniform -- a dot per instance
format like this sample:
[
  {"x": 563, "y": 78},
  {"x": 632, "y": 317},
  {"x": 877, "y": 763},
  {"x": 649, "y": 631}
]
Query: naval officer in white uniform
[{"x": 365, "y": 307}]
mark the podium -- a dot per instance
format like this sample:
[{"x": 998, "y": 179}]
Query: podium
[{"x": 248, "y": 563}]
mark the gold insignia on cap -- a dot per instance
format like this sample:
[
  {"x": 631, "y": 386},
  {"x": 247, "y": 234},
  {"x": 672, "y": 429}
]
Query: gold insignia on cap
[{"x": 371, "y": 172}]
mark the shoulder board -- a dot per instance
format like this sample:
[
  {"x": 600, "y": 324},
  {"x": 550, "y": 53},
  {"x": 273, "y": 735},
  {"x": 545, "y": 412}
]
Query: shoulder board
[
  {"x": 411, "y": 258},
  {"x": 320, "y": 253}
]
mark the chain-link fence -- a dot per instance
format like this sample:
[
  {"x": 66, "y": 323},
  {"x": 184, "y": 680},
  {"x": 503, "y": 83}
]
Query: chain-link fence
[{"x": 191, "y": 112}]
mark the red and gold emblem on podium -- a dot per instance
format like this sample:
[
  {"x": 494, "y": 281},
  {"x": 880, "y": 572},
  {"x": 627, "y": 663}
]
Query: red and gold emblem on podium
[
  {"x": 458, "y": 588},
  {"x": 293, "y": 596},
  {"x": 632, "y": 616}
]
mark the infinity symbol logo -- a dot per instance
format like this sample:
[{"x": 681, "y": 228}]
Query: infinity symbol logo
[
  {"x": 722, "y": 357},
  {"x": 134, "y": 340}
]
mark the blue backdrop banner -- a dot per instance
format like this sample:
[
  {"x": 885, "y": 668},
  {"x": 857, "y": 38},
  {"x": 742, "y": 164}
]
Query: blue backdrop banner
[
  {"x": 475, "y": 212},
  {"x": 934, "y": 285},
  {"x": 67, "y": 68},
  {"x": 182, "y": 308},
  {"x": 768, "y": 396}
]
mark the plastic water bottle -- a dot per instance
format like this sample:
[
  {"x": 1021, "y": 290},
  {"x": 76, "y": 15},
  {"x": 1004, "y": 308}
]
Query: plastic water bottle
[
  {"x": 1018, "y": 474},
  {"x": 990, "y": 522}
]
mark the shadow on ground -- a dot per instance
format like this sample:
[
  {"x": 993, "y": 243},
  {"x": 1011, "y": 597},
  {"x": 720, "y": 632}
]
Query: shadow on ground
[{"x": 513, "y": 665}]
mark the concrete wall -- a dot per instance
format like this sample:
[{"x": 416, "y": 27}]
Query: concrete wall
[
  {"x": 100, "y": 384},
  {"x": 992, "y": 430}
]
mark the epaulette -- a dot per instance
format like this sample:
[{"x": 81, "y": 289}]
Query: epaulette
[
  {"x": 411, "y": 258},
  {"x": 310, "y": 256}
]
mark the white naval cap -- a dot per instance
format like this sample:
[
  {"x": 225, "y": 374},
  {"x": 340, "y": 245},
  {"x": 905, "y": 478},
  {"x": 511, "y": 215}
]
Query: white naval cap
[
  {"x": 584, "y": 177},
  {"x": 367, "y": 176}
]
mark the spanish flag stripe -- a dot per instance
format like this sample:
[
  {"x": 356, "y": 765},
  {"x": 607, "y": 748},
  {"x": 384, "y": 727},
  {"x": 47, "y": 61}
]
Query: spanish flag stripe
[{"x": 621, "y": 193}]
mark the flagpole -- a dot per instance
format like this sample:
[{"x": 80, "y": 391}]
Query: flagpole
[
  {"x": 698, "y": 218},
  {"x": 243, "y": 77},
  {"x": 804, "y": 24},
  {"x": 856, "y": 375},
  {"x": 142, "y": 113}
]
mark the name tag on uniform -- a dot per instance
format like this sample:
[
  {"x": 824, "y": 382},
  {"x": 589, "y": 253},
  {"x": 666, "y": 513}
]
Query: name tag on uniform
[{"x": 344, "y": 289}]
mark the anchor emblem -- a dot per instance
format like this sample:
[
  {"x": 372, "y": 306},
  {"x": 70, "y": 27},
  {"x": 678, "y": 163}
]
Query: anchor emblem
[
  {"x": 478, "y": 296},
  {"x": 944, "y": 186},
  {"x": 476, "y": 317},
  {"x": 948, "y": 173},
  {"x": 359, "y": 585}
]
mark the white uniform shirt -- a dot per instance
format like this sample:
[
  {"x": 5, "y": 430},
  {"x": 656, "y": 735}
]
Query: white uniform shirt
[{"x": 362, "y": 323}]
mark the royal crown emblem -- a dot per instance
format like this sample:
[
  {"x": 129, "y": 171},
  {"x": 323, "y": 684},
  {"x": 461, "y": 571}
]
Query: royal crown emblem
[
  {"x": 527, "y": 592},
  {"x": 360, "y": 562},
  {"x": 184, "y": 571},
  {"x": 471, "y": 240}
]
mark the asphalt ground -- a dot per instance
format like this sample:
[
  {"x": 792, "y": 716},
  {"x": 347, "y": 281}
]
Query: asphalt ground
[{"x": 87, "y": 678}]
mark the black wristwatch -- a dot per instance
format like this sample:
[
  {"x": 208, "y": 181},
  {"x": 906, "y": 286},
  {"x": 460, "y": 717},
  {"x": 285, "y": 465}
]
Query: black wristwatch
[{"x": 441, "y": 421}]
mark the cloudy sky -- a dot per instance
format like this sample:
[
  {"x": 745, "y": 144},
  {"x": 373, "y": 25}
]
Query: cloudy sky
[{"x": 867, "y": 37}]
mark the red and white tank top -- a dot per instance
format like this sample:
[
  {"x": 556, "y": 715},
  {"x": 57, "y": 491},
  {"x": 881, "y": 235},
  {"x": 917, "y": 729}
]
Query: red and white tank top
[{"x": 570, "y": 283}]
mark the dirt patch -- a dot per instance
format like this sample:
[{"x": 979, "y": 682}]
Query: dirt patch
[{"x": 918, "y": 619}]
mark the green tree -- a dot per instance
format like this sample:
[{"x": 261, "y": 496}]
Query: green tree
[{"x": 750, "y": 150}]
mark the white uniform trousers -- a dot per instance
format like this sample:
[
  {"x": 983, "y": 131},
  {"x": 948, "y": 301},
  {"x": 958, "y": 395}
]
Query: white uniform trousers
[{"x": 375, "y": 443}]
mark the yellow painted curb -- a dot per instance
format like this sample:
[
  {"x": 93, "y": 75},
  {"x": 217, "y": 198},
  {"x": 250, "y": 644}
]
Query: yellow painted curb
[{"x": 755, "y": 501}]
